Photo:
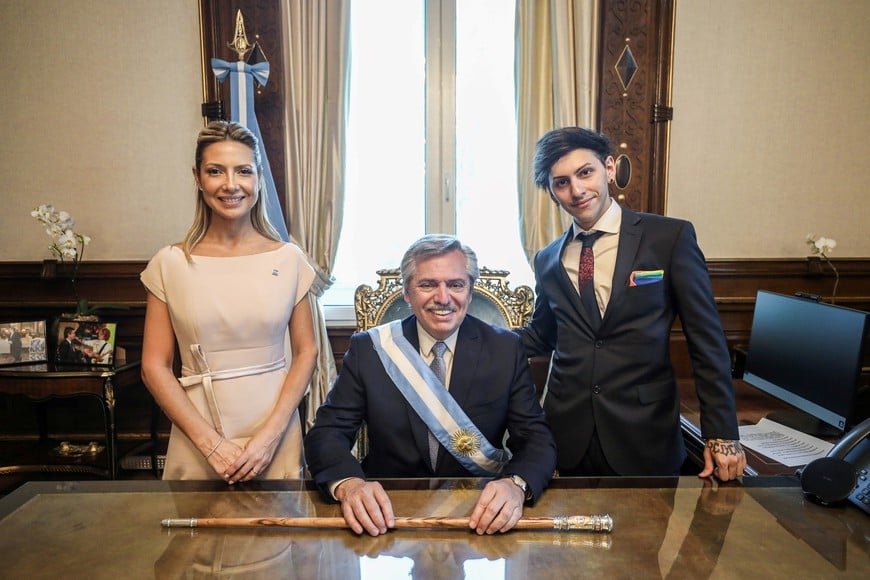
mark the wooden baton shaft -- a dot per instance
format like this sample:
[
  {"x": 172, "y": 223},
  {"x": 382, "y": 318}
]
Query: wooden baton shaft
[{"x": 601, "y": 523}]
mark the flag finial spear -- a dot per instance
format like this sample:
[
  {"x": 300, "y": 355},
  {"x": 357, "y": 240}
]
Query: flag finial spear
[{"x": 240, "y": 41}]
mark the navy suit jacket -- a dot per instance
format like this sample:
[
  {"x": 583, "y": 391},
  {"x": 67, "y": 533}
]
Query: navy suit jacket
[
  {"x": 618, "y": 378},
  {"x": 490, "y": 380}
]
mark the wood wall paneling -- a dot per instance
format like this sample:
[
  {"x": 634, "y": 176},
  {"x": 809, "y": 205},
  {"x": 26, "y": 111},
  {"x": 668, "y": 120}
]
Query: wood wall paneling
[
  {"x": 263, "y": 25},
  {"x": 25, "y": 293},
  {"x": 42, "y": 290},
  {"x": 632, "y": 30},
  {"x": 637, "y": 116}
]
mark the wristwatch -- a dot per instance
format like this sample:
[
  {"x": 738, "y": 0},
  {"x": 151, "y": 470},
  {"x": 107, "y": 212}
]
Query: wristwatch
[{"x": 521, "y": 483}]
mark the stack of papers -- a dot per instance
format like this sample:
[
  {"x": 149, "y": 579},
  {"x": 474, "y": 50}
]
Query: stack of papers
[{"x": 783, "y": 444}]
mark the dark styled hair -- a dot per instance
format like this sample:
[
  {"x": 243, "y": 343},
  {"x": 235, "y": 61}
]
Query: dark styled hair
[{"x": 557, "y": 143}]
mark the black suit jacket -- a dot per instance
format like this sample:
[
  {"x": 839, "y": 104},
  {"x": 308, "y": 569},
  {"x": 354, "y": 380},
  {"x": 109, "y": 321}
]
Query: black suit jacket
[
  {"x": 67, "y": 353},
  {"x": 618, "y": 378},
  {"x": 490, "y": 380},
  {"x": 15, "y": 345}
]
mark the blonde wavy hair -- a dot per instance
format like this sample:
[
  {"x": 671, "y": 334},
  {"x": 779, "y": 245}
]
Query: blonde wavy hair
[{"x": 215, "y": 132}]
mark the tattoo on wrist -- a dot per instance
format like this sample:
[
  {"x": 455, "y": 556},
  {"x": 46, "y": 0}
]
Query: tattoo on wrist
[{"x": 725, "y": 446}]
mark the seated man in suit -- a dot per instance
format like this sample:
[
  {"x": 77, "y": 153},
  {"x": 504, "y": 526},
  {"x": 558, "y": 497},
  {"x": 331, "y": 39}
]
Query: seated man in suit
[{"x": 393, "y": 378}]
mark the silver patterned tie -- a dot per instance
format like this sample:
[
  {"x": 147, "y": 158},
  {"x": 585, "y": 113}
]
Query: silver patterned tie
[{"x": 440, "y": 369}]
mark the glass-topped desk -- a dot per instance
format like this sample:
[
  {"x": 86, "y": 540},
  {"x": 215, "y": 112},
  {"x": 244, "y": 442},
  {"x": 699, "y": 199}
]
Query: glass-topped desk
[
  {"x": 43, "y": 381},
  {"x": 663, "y": 527}
]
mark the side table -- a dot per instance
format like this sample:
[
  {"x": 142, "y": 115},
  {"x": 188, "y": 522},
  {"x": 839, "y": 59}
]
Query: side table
[{"x": 44, "y": 381}]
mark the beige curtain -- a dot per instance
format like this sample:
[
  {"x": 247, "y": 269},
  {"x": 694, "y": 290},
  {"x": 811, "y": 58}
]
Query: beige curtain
[
  {"x": 316, "y": 83},
  {"x": 557, "y": 83}
]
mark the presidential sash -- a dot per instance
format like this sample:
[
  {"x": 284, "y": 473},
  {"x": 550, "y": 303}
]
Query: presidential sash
[{"x": 434, "y": 404}]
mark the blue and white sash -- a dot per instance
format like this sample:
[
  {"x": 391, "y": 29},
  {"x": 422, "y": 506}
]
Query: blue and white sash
[{"x": 434, "y": 404}]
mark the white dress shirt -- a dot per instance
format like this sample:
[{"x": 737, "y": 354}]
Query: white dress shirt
[
  {"x": 426, "y": 344},
  {"x": 604, "y": 250}
]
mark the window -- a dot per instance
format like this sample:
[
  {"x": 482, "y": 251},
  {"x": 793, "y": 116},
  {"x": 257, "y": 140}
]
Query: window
[
  {"x": 431, "y": 138},
  {"x": 432, "y": 560}
]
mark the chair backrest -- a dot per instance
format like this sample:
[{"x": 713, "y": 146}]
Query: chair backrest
[{"x": 493, "y": 302}]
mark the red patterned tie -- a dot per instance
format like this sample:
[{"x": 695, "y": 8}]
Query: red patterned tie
[
  {"x": 587, "y": 260},
  {"x": 587, "y": 273}
]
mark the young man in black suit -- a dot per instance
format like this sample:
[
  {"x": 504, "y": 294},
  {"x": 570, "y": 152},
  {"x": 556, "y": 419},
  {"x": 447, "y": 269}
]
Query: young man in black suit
[
  {"x": 425, "y": 424},
  {"x": 612, "y": 397},
  {"x": 66, "y": 349}
]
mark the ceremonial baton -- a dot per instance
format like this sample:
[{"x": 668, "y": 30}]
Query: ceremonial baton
[{"x": 597, "y": 523}]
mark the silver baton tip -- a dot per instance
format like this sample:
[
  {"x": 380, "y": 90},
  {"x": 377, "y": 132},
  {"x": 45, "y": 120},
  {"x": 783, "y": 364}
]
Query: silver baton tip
[
  {"x": 605, "y": 523},
  {"x": 178, "y": 523},
  {"x": 596, "y": 523}
]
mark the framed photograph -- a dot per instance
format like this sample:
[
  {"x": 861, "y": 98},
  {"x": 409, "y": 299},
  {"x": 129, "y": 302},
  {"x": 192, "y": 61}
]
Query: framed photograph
[
  {"x": 85, "y": 342},
  {"x": 22, "y": 342}
]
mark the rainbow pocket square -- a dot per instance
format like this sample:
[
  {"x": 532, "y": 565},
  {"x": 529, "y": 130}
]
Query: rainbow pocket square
[{"x": 643, "y": 277}]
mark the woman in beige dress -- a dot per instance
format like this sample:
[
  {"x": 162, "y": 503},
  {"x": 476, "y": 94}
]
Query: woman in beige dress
[{"x": 228, "y": 295}]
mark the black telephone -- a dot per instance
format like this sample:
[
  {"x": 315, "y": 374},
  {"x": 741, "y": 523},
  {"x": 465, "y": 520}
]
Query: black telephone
[{"x": 844, "y": 473}]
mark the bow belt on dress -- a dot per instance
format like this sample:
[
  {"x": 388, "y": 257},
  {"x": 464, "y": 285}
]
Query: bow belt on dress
[{"x": 206, "y": 377}]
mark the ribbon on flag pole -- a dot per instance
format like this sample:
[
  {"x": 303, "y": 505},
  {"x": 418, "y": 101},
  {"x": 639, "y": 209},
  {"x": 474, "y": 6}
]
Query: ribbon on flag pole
[{"x": 242, "y": 76}]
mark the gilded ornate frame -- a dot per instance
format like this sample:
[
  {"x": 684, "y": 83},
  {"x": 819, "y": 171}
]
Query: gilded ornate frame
[{"x": 515, "y": 306}]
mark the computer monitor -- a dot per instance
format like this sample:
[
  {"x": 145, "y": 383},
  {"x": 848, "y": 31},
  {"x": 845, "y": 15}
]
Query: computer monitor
[{"x": 808, "y": 354}]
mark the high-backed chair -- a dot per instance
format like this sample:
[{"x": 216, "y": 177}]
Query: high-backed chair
[{"x": 493, "y": 302}]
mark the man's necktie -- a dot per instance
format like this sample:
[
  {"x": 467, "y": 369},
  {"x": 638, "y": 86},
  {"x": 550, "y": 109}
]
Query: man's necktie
[
  {"x": 587, "y": 272},
  {"x": 440, "y": 370}
]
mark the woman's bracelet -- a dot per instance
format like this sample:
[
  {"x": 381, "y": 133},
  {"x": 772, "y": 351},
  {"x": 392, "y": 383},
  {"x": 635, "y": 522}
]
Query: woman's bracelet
[{"x": 216, "y": 445}]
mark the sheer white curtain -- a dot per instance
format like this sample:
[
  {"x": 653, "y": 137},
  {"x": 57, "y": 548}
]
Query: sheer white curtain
[
  {"x": 557, "y": 83},
  {"x": 316, "y": 86}
]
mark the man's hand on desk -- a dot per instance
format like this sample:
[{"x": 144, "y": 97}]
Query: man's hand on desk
[
  {"x": 365, "y": 506},
  {"x": 728, "y": 457},
  {"x": 499, "y": 507}
]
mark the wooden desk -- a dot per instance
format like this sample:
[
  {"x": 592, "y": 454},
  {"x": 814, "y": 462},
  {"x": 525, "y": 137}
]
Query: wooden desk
[
  {"x": 663, "y": 527},
  {"x": 44, "y": 381}
]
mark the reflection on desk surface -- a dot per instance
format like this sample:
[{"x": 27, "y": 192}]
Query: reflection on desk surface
[{"x": 663, "y": 528}]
